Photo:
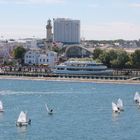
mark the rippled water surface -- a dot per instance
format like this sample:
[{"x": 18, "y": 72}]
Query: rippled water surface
[{"x": 82, "y": 111}]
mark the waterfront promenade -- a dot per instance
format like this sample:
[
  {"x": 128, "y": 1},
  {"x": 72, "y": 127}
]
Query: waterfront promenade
[
  {"x": 44, "y": 73},
  {"x": 118, "y": 80}
]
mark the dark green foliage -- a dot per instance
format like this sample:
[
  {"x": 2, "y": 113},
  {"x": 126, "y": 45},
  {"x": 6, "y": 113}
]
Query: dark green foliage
[
  {"x": 19, "y": 52},
  {"x": 97, "y": 53},
  {"x": 136, "y": 59},
  {"x": 115, "y": 58}
]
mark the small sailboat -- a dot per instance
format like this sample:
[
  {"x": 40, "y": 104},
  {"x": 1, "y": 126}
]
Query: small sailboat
[
  {"x": 1, "y": 107},
  {"x": 23, "y": 119},
  {"x": 50, "y": 111},
  {"x": 120, "y": 104},
  {"x": 136, "y": 97},
  {"x": 115, "y": 108}
]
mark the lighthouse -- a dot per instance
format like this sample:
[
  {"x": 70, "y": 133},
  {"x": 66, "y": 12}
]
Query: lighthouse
[{"x": 49, "y": 31}]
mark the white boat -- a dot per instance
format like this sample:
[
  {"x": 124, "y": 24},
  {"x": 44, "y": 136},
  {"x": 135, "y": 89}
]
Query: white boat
[
  {"x": 50, "y": 111},
  {"x": 137, "y": 97},
  {"x": 23, "y": 120},
  {"x": 82, "y": 68},
  {"x": 1, "y": 107},
  {"x": 115, "y": 108},
  {"x": 120, "y": 104}
]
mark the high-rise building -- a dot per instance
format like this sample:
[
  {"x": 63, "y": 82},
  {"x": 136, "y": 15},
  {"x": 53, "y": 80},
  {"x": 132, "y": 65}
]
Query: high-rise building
[{"x": 66, "y": 31}]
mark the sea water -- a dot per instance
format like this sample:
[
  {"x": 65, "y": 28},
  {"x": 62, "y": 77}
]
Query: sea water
[{"x": 82, "y": 110}]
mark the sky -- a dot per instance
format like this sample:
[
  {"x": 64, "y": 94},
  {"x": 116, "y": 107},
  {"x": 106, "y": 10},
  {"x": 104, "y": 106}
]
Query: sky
[{"x": 100, "y": 19}]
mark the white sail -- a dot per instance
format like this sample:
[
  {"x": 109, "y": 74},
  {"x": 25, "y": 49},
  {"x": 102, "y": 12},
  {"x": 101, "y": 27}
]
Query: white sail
[
  {"x": 1, "y": 106},
  {"x": 136, "y": 97},
  {"x": 120, "y": 104},
  {"x": 50, "y": 111},
  {"x": 114, "y": 107},
  {"x": 47, "y": 108},
  {"x": 22, "y": 117}
]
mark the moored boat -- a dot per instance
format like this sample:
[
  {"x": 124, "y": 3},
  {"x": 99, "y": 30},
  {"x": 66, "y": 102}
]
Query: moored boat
[{"x": 82, "y": 68}]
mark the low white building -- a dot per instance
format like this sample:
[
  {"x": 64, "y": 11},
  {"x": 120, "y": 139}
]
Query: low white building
[
  {"x": 50, "y": 58},
  {"x": 31, "y": 57},
  {"x": 35, "y": 57}
]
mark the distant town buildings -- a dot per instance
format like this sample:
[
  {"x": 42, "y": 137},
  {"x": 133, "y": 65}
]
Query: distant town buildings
[
  {"x": 34, "y": 43},
  {"x": 66, "y": 31}
]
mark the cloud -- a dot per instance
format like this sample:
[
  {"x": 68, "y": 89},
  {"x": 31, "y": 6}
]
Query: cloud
[
  {"x": 31, "y": 1},
  {"x": 135, "y": 5},
  {"x": 114, "y": 30}
]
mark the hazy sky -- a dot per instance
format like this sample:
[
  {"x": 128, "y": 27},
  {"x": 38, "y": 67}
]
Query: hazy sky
[{"x": 100, "y": 19}]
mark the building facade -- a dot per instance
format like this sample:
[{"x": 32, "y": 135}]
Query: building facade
[
  {"x": 37, "y": 58},
  {"x": 66, "y": 31},
  {"x": 31, "y": 57}
]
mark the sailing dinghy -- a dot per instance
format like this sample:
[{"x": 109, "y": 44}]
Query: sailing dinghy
[
  {"x": 115, "y": 108},
  {"x": 50, "y": 111},
  {"x": 137, "y": 97},
  {"x": 1, "y": 107},
  {"x": 23, "y": 119},
  {"x": 120, "y": 104}
]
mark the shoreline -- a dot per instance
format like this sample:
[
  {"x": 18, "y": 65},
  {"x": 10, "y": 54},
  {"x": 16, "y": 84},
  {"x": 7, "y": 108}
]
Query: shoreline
[{"x": 69, "y": 79}]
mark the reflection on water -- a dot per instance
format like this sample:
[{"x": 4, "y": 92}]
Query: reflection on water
[
  {"x": 22, "y": 132},
  {"x": 115, "y": 116},
  {"x": 1, "y": 116},
  {"x": 22, "y": 129}
]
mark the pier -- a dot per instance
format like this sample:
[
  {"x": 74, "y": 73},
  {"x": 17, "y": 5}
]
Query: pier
[{"x": 68, "y": 76}]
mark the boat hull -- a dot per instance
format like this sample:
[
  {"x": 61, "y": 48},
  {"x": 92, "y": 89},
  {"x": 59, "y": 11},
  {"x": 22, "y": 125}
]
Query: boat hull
[
  {"x": 104, "y": 72},
  {"x": 20, "y": 124},
  {"x": 1, "y": 110}
]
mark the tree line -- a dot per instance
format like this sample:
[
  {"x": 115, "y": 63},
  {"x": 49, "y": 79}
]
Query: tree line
[{"x": 118, "y": 58}]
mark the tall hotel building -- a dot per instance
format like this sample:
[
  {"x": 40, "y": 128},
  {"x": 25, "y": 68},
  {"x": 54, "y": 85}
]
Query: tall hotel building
[{"x": 66, "y": 31}]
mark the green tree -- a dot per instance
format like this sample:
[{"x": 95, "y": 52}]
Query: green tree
[
  {"x": 19, "y": 54},
  {"x": 121, "y": 60},
  {"x": 97, "y": 52},
  {"x": 136, "y": 59},
  {"x": 105, "y": 58}
]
